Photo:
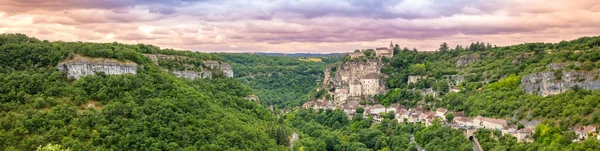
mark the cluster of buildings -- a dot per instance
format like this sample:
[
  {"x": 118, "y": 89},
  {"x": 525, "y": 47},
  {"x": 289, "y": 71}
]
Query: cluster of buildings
[
  {"x": 420, "y": 115},
  {"x": 379, "y": 52}
]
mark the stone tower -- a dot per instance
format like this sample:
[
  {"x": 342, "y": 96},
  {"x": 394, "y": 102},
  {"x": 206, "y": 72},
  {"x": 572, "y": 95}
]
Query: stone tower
[{"x": 391, "y": 47}]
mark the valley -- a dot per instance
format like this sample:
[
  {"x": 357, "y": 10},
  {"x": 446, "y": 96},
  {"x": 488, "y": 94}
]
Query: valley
[{"x": 92, "y": 95}]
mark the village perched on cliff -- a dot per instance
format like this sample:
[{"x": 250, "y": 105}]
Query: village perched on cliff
[{"x": 352, "y": 85}]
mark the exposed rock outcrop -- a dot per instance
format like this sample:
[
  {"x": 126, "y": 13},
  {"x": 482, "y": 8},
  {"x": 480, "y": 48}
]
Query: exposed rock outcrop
[
  {"x": 454, "y": 80},
  {"x": 205, "y": 71},
  {"x": 547, "y": 83},
  {"x": 468, "y": 59},
  {"x": 80, "y": 66},
  {"x": 415, "y": 79}
]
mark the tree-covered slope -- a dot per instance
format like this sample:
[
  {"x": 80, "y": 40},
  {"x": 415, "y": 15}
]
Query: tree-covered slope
[
  {"x": 151, "y": 110},
  {"x": 277, "y": 80}
]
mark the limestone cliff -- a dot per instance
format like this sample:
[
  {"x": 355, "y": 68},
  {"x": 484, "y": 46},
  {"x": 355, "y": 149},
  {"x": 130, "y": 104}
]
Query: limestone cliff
[
  {"x": 468, "y": 59},
  {"x": 190, "y": 71},
  {"x": 547, "y": 83},
  {"x": 80, "y": 66},
  {"x": 357, "y": 79}
]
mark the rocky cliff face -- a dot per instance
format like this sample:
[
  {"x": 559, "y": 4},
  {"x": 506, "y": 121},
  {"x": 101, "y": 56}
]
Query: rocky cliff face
[
  {"x": 203, "y": 72},
  {"x": 547, "y": 83},
  {"x": 356, "y": 79},
  {"x": 468, "y": 59},
  {"x": 80, "y": 66}
]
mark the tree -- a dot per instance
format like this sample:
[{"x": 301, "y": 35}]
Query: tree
[
  {"x": 417, "y": 69},
  {"x": 450, "y": 117},
  {"x": 360, "y": 110},
  {"x": 444, "y": 47}
]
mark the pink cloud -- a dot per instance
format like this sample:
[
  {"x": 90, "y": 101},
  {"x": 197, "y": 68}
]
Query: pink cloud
[{"x": 301, "y": 26}]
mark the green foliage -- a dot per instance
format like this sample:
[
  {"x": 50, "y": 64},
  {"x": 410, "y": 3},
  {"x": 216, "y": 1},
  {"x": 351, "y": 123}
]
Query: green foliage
[
  {"x": 437, "y": 137},
  {"x": 277, "y": 80},
  {"x": 417, "y": 69},
  {"x": 317, "y": 132},
  {"x": 51, "y": 147},
  {"x": 510, "y": 82},
  {"x": 449, "y": 117},
  {"x": 152, "y": 110}
]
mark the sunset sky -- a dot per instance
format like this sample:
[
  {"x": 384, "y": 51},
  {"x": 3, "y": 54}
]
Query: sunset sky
[{"x": 294, "y": 26}]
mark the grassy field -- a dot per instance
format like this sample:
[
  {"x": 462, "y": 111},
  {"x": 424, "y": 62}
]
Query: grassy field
[{"x": 311, "y": 59}]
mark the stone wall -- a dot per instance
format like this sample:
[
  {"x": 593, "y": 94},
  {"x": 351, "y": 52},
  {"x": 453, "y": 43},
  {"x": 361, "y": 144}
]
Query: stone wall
[{"x": 80, "y": 66}]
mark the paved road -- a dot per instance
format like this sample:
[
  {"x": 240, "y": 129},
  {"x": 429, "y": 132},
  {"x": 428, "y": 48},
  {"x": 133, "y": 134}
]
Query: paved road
[
  {"x": 294, "y": 139},
  {"x": 412, "y": 140},
  {"x": 476, "y": 146}
]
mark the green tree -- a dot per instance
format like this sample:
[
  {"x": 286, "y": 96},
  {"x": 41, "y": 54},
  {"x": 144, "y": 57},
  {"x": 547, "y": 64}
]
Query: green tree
[
  {"x": 450, "y": 117},
  {"x": 417, "y": 69},
  {"x": 444, "y": 47}
]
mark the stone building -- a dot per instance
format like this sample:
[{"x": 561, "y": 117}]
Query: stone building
[
  {"x": 385, "y": 52},
  {"x": 370, "y": 84},
  {"x": 355, "y": 55}
]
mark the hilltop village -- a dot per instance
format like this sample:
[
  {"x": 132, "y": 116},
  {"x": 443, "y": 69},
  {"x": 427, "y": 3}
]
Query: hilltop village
[{"x": 352, "y": 84}]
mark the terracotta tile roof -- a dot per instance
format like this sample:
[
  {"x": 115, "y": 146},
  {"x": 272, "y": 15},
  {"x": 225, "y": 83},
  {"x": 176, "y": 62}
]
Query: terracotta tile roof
[
  {"x": 495, "y": 121},
  {"x": 586, "y": 129},
  {"x": 442, "y": 110},
  {"x": 377, "y": 106},
  {"x": 463, "y": 119}
]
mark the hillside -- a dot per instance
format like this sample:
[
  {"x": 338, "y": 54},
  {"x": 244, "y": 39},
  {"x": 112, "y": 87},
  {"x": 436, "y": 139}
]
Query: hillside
[
  {"x": 541, "y": 95},
  {"x": 102, "y": 108},
  {"x": 276, "y": 80}
]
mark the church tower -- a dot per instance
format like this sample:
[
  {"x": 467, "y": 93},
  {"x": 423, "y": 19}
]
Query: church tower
[{"x": 391, "y": 46}]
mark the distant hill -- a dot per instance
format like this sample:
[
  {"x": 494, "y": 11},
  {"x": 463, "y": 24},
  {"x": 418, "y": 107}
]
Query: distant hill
[{"x": 302, "y": 54}]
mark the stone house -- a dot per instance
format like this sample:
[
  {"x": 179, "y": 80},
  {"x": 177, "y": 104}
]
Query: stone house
[
  {"x": 522, "y": 135},
  {"x": 583, "y": 131},
  {"x": 477, "y": 121},
  {"x": 370, "y": 84},
  {"x": 402, "y": 114},
  {"x": 441, "y": 112},
  {"x": 463, "y": 121},
  {"x": 497, "y": 124},
  {"x": 354, "y": 55},
  {"x": 509, "y": 129},
  {"x": 427, "y": 117},
  {"x": 377, "y": 109},
  {"x": 355, "y": 88}
]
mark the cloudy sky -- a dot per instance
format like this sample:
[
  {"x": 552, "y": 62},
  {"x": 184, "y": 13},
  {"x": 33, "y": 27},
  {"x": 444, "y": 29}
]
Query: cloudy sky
[{"x": 316, "y": 26}]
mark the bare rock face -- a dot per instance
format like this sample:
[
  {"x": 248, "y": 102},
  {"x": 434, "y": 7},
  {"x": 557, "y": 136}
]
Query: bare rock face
[
  {"x": 465, "y": 60},
  {"x": 547, "y": 83},
  {"x": 81, "y": 66},
  {"x": 211, "y": 66},
  {"x": 454, "y": 80},
  {"x": 415, "y": 79}
]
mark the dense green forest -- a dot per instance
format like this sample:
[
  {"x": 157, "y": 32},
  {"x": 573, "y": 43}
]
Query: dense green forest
[
  {"x": 333, "y": 130},
  {"x": 152, "y": 110},
  {"x": 491, "y": 86},
  {"x": 277, "y": 80}
]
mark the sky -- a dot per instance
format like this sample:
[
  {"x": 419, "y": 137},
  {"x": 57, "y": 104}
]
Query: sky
[{"x": 301, "y": 26}]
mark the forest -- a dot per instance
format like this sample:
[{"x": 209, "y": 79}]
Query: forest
[
  {"x": 152, "y": 110},
  {"x": 283, "y": 82}
]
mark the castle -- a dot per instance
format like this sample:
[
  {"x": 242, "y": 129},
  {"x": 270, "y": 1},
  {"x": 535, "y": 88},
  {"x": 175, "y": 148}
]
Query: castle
[{"x": 379, "y": 52}]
